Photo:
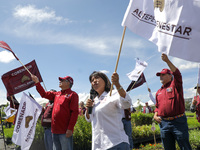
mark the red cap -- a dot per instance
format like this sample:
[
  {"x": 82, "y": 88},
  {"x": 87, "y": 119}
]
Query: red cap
[
  {"x": 68, "y": 78},
  {"x": 164, "y": 71}
]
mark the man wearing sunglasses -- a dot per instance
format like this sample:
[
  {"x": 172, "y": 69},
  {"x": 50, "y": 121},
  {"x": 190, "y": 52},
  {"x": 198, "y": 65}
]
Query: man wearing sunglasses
[{"x": 65, "y": 112}]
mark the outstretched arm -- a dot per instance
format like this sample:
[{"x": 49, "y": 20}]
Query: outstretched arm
[
  {"x": 115, "y": 81},
  {"x": 169, "y": 63}
]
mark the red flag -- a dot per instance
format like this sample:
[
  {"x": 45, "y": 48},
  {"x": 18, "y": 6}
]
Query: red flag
[
  {"x": 139, "y": 82},
  {"x": 6, "y": 46},
  {"x": 19, "y": 79}
]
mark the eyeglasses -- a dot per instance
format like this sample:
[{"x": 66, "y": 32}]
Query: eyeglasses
[{"x": 62, "y": 80}]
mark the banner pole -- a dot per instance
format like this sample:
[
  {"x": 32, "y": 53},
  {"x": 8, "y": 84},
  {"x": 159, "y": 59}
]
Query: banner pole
[
  {"x": 198, "y": 79},
  {"x": 12, "y": 101},
  {"x": 132, "y": 87},
  {"x": 44, "y": 86},
  {"x": 25, "y": 67},
  {"x": 31, "y": 73},
  {"x": 118, "y": 57}
]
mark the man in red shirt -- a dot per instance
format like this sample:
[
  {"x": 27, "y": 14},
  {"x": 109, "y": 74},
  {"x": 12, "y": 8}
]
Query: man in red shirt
[
  {"x": 195, "y": 105},
  {"x": 170, "y": 108},
  {"x": 65, "y": 112}
]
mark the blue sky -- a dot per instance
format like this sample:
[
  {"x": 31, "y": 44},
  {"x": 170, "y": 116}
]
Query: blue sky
[{"x": 75, "y": 38}]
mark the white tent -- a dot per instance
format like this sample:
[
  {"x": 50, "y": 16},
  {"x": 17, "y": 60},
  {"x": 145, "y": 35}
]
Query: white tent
[
  {"x": 150, "y": 103},
  {"x": 137, "y": 103},
  {"x": 83, "y": 97}
]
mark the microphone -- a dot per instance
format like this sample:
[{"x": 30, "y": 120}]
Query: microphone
[{"x": 92, "y": 96}]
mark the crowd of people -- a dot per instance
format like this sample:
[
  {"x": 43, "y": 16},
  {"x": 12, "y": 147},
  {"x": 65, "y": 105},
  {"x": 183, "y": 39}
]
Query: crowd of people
[{"x": 109, "y": 111}]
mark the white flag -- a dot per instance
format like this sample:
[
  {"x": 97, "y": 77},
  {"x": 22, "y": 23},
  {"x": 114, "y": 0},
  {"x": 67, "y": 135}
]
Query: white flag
[
  {"x": 27, "y": 116},
  {"x": 172, "y": 25},
  {"x": 139, "y": 68},
  {"x": 9, "y": 111}
]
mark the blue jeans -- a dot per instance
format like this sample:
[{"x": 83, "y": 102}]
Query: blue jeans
[
  {"x": 121, "y": 146},
  {"x": 128, "y": 131},
  {"x": 61, "y": 142},
  {"x": 172, "y": 130},
  {"x": 48, "y": 139}
]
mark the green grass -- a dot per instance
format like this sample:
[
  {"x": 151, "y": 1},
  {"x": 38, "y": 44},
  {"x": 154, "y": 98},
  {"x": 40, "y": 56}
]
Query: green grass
[{"x": 8, "y": 132}]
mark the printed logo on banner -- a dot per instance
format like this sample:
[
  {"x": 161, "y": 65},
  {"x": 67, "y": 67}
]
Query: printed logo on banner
[
  {"x": 28, "y": 119},
  {"x": 159, "y": 4},
  {"x": 25, "y": 78}
]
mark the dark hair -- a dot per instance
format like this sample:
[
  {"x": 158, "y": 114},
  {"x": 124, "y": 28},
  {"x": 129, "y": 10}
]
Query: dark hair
[{"x": 104, "y": 77}]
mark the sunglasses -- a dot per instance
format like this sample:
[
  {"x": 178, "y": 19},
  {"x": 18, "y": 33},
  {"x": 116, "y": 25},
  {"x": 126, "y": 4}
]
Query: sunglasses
[{"x": 62, "y": 80}]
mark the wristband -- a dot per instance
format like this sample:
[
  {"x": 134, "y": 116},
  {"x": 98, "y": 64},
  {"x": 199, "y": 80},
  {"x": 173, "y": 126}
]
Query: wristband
[{"x": 119, "y": 88}]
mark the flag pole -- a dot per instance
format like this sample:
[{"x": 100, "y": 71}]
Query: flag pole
[
  {"x": 118, "y": 56},
  {"x": 12, "y": 101},
  {"x": 25, "y": 67},
  {"x": 147, "y": 85},
  {"x": 132, "y": 87},
  {"x": 30, "y": 72},
  {"x": 198, "y": 80}
]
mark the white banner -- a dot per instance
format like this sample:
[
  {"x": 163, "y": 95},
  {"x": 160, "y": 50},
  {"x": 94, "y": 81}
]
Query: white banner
[
  {"x": 9, "y": 111},
  {"x": 139, "y": 68},
  {"x": 27, "y": 116},
  {"x": 172, "y": 25}
]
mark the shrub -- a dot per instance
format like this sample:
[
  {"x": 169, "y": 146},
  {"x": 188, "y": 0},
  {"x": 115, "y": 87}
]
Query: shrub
[
  {"x": 141, "y": 118},
  {"x": 82, "y": 135},
  {"x": 144, "y": 131}
]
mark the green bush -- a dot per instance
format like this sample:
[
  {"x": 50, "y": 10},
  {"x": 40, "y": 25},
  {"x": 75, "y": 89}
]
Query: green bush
[
  {"x": 194, "y": 138},
  {"x": 142, "y": 119},
  {"x": 82, "y": 135},
  {"x": 144, "y": 131}
]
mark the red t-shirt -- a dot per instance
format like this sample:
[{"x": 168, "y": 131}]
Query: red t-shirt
[
  {"x": 169, "y": 98},
  {"x": 65, "y": 109}
]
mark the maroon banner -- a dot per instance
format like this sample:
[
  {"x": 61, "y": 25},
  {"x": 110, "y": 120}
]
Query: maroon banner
[
  {"x": 139, "y": 82},
  {"x": 19, "y": 79}
]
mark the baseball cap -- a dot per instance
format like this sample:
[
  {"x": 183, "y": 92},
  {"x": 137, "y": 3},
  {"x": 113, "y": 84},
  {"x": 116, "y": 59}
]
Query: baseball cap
[
  {"x": 68, "y": 78},
  {"x": 164, "y": 71}
]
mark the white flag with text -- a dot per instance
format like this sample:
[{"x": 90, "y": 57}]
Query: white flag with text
[
  {"x": 174, "y": 26},
  {"x": 9, "y": 111},
  {"x": 27, "y": 116},
  {"x": 139, "y": 68}
]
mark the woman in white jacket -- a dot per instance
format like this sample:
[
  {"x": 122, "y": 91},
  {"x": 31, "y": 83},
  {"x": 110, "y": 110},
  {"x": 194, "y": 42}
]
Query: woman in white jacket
[{"x": 106, "y": 117}]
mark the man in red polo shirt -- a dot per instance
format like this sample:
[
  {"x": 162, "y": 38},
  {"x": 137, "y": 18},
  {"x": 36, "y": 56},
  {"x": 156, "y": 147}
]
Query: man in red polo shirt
[
  {"x": 195, "y": 105},
  {"x": 65, "y": 112},
  {"x": 170, "y": 108}
]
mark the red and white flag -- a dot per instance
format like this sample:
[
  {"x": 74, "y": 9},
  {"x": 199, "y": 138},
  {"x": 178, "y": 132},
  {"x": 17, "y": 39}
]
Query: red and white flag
[
  {"x": 173, "y": 25},
  {"x": 7, "y": 47},
  {"x": 9, "y": 111},
  {"x": 135, "y": 84},
  {"x": 19, "y": 79},
  {"x": 27, "y": 116},
  {"x": 139, "y": 68}
]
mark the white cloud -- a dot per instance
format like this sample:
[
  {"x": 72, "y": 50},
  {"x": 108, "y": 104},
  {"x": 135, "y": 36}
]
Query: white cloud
[
  {"x": 183, "y": 64},
  {"x": 3, "y": 99},
  {"x": 104, "y": 71},
  {"x": 189, "y": 93},
  {"x": 30, "y": 14},
  {"x": 6, "y": 57}
]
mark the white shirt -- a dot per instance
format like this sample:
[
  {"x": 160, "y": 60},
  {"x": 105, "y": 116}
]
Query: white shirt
[
  {"x": 106, "y": 118},
  {"x": 147, "y": 110}
]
